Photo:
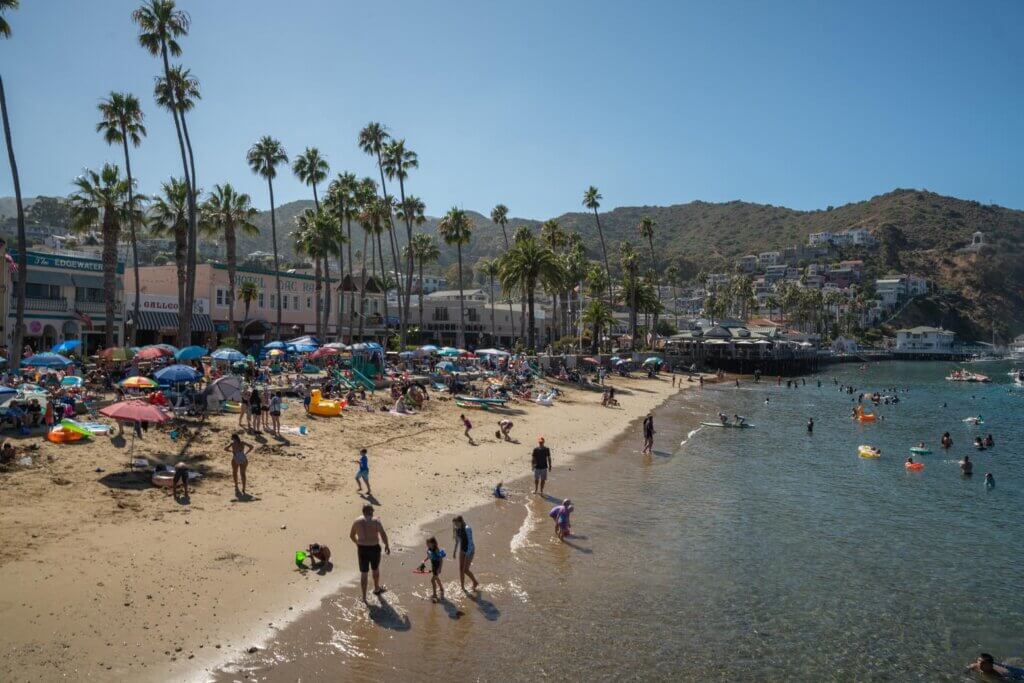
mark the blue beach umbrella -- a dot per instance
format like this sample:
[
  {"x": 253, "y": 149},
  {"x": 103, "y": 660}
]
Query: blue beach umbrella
[
  {"x": 228, "y": 354},
  {"x": 447, "y": 366},
  {"x": 65, "y": 346},
  {"x": 274, "y": 345},
  {"x": 175, "y": 374},
  {"x": 46, "y": 360},
  {"x": 429, "y": 348},
  {"x": 653, "y": 360},
  {"x": 448, "y": 351},
  {"x": 303, "y": 348},
  {"x": 191, "y": 353}
]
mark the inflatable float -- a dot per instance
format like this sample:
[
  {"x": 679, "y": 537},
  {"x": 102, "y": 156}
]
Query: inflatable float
[
  {"x": 231, "y": 406},
  {"x": 869, "y": 452},
  {"x": 861, "y": 416},
  {"x": 61, "y": 435},
  {"x": 472, "y": 405},
  {"x": 974, "y": 421},
  {"x": 729, "y": 425},
  {"x": 318, "y": 406},
  {"x": 918, "y": 450},
  {"x": 914, "y": 466}
]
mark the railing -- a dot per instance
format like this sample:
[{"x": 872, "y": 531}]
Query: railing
[
  {"x": 96, "y": 306},
  {"x": 32, "y": 304}
]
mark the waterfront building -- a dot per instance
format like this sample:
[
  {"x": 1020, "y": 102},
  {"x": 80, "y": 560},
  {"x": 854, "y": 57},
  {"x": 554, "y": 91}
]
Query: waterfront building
[{"x": 925, "y": 341}]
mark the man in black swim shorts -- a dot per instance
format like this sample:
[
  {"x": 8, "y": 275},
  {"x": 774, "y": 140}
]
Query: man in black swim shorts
[{"x": 367, "y": 533}]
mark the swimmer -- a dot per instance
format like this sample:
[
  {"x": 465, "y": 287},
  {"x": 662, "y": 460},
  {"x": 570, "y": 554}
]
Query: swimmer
[
  {"x": 740, "y": 420},
  {"x": 986, "y": 665},
  {"x": 766, "y": 400},
  {"x": 990, "y": 442},
  {"x": 910, "y": 461},
  {"x": 990, "y": 481},
  {"x": 947, "y": 440},
  {"x": 966, "y": 466},
  {"x": 723, "y": 418},
  {"x": 978, "y": 443}
]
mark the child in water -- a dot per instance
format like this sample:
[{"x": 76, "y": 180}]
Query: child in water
[
  {"x": 435, "y": 555},
  {"x": 560, "y": 513}
]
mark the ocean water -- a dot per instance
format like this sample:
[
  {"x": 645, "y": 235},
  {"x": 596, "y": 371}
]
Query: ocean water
[{"x": 760, "y": 554}]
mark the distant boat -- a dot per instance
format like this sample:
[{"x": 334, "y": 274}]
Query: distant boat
[{"x": 967, "y": 376}]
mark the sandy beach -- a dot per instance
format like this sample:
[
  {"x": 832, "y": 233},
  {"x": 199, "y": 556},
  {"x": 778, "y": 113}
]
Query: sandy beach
[{"x": 104, "y": 576}]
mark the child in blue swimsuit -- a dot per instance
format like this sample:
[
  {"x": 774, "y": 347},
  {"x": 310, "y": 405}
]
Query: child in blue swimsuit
[{"x": 435, "y": 555}]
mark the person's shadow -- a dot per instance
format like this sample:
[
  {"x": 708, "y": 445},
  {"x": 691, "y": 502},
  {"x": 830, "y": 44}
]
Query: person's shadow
[
  {"x": 577, "y": 546},
  {"x": 370, "y": 498},
  {"x": 386, "y": 616},
  {"x": 244, "y": 497},
  {"x": 450, "y": 609},
  {"x": 322, "y": 569},
  {"x": 486, "y": 607}
]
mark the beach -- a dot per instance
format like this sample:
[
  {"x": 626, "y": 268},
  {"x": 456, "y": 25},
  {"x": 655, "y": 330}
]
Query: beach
[{"x": 107, "y": 577}]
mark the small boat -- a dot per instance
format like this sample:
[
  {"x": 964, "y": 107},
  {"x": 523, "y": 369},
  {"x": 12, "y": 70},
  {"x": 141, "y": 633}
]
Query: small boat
[
  {"x": 869, "y": 452},
  {"x": 729, "y": 425},
  {"x": 967, "y": 376}
]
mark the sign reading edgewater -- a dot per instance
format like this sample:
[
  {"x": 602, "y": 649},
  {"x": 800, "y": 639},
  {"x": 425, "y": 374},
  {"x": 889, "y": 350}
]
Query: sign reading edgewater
[{"x": 153, "y": 302}]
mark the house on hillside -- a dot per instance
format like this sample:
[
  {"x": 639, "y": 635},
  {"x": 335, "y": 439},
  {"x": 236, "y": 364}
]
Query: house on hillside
[{"x": 925, "y": 341}]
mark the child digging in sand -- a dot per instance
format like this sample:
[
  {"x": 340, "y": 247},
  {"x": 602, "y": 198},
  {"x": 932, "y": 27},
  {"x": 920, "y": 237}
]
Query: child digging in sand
[{"x": 435, "y": 555}]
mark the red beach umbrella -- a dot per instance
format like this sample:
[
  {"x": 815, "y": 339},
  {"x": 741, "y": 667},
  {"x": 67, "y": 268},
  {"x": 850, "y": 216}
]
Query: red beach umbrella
[
  {"x": 153, "y": 352},
  {"x": 134, "y": 410},
  {"x": 325, "y": 351}
]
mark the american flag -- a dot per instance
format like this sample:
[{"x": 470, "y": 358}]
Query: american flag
[{"x": 84, "y": 318}]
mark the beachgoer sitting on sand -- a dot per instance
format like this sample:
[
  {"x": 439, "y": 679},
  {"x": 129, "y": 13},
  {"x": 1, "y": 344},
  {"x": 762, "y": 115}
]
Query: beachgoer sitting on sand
[
  {"x": 499, "y": 492},
  {"x": 319, "y": 555},
  {"x": 7, "y": 452}
]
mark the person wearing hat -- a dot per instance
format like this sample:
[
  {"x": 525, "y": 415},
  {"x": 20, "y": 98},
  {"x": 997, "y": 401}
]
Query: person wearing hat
[
  {"x": 319, "y": 555},
  {"x": 541, "y": 466}
]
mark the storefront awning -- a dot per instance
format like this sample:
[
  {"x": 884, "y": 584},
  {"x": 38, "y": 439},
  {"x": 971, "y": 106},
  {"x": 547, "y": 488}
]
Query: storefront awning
[
  {"x": 88, "y": 281},
  {"x": 164, "y": 320},
  {"x": 49, "y": 277}
]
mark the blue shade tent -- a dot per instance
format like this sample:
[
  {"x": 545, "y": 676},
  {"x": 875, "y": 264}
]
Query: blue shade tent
[
  {"x": 446, "y": 366},
  {"x": 175, "y": 374},
  {"x": 274, "y": 345},
  {"x": 448, "y": 351},
  {"x": 65, "y": 346},
  {"x": 46, "y": 360},
  {"x": 191, "y": 353},
  {"x": 228, "y": 354}
]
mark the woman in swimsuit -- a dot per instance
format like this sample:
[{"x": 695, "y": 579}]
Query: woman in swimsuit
[
  {"x": 239, "y": 458},
  {"x": 256, "y": 411},
  {"x": 464, "y": 549}
]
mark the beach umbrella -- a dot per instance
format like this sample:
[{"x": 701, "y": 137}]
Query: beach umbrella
[
  {"x": 71, "y": 382},
  {"x": 191, "y": 353},
  {"x": 174, "y": 374},
  {"x": 7, "y": 392},
  {"x": 227, "y": 354},
  {"x": 653, "y": 360},
  {"x": 153, "y": 352},
  {"x": 225, "y": 389},
  {"x": 406, "y": 354},
  {"x": 239, "y": 365},
  {"x": 305, "y": 340},
  {"x": 65, "y": 346},
  {"x": 448, "y": 351},
  {"x": 303, "y": 348},
  {"x": 274, "y": 345},
  {"x": 616, "y": 359},
  {"x": 116, "y": 353},
  {"x": 592, "y": 361},
  {"x": 46, "y": 360},
  {"x": 446, "y": 366},
  {"x": 324, "y": 352},
  {"x": 134, "y": 410},
  {"x": 138, "y": 382},
  {"x": 621, "y": 361},
  {"x": 429, "y": 348},
  {"x": 336, "y": 345}
]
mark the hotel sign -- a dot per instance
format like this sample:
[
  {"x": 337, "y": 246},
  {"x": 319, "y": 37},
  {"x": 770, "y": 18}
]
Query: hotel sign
[
  {"x": 153, "y": 302},
  {"x": 42, "y": 260}
]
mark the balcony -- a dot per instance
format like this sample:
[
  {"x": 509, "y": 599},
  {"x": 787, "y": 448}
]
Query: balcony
[
  {"x": 97, "y": 307},
  {"x": 50, "y": 305}
]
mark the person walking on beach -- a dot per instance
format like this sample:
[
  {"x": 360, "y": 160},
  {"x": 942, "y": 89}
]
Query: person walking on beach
[
  {"x": 256, "y": 411},
  {"x": 275, "y": 413},
  {"x": 468, "y": 426},
  {"x": 363, "y": 473},
  {"x": 239, "y": 458},
  {"x": 541, "y": 466},
  {"x": 243, "y": 413},
  {"x": 367, "y": 533},
  {"x": 464, "y": 549},
  {"x": 648, "y": 434}
]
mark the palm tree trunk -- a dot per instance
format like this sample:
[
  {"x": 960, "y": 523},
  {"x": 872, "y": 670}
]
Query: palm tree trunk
[
  {"x": 604, "y": 253},
  {"x": 531, "y": 333},
  {"x": 383, "y": 279},
  {"x": 19, "y": 320},
  {"x": 110, "y": 235},
  {"x": 461, "y": 339},
  {"x": 410, "y": 262},
  {"x": 323, "y": 295},
  {"x": 183, "y": 329},
  {"x": 181, "y": 266},
  {"x": 318, "y": 291},
  {"x": 511, "y": 316},
  {"x": 362, "y": 291},
  {"x": 326, "y": 268},
  {"x": 394, "y": 253},
  {"x": 633, "y": 313},
  {"x": 657, "y": 287},
  {"x": 420, "y": 297},
  {"x": 132, "y": 236},
  {"x": 277, "y": 268},
  {"x": 351, "y": 273},
  {"x": 193, "y": 238},
  {"x": 494, "y": 339},
  {"x": 229, "y": 243}
]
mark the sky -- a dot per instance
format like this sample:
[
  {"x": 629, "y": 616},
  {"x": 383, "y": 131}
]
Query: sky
[{"x": 795, "y": 103}]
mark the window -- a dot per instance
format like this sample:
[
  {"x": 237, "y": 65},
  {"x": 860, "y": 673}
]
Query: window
[
  {"x": 261, "y": 298},
  {"x": 309, "y": 302},
  {"x": 284, "y": 302},
  {"x": 220, "y": 297},
  {"x": 85, "y": 294},
  {"x": 295, "y": 302},
  {"x": 37, "y": 291},
  {"x": 440, "y": 314}
]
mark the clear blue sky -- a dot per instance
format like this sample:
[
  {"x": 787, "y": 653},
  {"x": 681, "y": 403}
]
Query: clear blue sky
[{"x": 802, "y": 104}]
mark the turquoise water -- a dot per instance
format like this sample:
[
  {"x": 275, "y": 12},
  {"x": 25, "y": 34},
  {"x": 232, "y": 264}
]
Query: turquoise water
[{"x": 764, "y": 554}]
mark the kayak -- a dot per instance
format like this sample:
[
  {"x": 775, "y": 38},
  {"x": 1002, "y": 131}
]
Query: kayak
[
  {"x": 869, "y": 452},
  {"x": 730, "y": 425},
  {"x": 917, "y": 450}
]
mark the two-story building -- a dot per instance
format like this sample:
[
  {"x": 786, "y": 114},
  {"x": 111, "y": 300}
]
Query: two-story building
[
  {"x": 768, "y": 258},
  {"x": 925, "y": 341}
]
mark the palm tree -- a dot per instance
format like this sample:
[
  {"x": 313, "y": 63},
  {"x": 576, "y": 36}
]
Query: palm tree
[
  {"x": 592, "y": 200},
  {"x": 247, "y": 293},
  {"x": 499, "y": 215},
  {"x": 168, "y": 215},
  {"x": 426, "y": 251},
  {"x": 225, "y": 214},
  {"x": 264, "y": 157},
  {"x": 455, "y": 229},
  {"x": 576, "y": 265},
  {"x": 672, "y": 275},
  {"x": 313, "y": 238},
  {"x": 489, "y": 269},
  {"x": 19, "y": 324},
  {"x": 161, "y": 23},
  {"x": 121, "y": 123},
  {"x": 398, "y": 161},
  {"x": 365, "y": 199},
  {"x": 374, "y": 214},
  {"x": 341, "y": 199},
  {"x": 312, "y": 169},
  {"x": 629, "y": 265},
  {"x": 598, "y": 315},
  {"x": 552, "y": 234},
  {"x": 373, "y": 140},
  {"x": 100, "y": 199},
  {"x": 646, "y": 229},
  {"x": 526, "y": 265}
]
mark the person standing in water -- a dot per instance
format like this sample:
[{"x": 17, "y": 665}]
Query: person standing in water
[
  {"x": 464, "y": 549},
  {"x": 966, "y": 466},
  {"x": 367, "y": 533},
  {"x": 240, "y": 451},
  {"x": 541, "y": 465},
  {"x": 648, "y": 434},
  {"x": 810, "y": 425}
]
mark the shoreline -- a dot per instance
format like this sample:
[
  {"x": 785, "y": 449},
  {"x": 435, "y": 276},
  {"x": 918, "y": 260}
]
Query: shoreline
[
  {"x": 497, "y": 524},
  {"x": 170, "y": 583}
]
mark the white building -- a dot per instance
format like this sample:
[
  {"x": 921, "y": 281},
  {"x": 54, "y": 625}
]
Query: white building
[
  {"x": 925, "y": 341},
  {"x": 820, "y": 239},
  {"x": 768, "y": 258},
  {"x": 891, "y": 290},
  {"x": 748, "y": 263}
]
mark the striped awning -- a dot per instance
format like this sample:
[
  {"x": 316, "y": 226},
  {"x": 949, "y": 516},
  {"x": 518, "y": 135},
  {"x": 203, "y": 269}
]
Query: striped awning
[{"x": 164, "y": 320}]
